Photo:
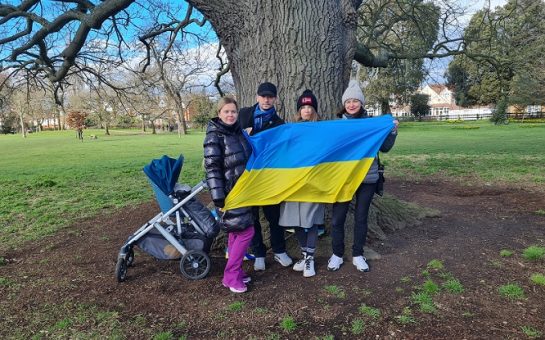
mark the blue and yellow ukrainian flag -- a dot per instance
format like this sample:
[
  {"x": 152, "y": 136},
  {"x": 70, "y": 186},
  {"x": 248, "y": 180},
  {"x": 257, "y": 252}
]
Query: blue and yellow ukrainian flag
[{"x": 309, "y": 162}]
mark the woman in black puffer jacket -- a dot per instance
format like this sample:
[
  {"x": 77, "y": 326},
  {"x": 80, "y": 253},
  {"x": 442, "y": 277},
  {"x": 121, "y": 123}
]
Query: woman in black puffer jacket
[{"x": 226, "y": 152}]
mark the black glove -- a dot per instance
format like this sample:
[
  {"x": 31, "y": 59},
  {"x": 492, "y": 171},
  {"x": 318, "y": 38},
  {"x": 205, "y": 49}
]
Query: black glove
[{"x": 219, "y": 203}]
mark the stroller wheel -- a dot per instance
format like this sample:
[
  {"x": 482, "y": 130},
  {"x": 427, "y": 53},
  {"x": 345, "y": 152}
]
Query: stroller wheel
[
  {"x": 130, "y": 258},
  {"x": 195, "y": 264},
  {"x": 121, "y": 269}
]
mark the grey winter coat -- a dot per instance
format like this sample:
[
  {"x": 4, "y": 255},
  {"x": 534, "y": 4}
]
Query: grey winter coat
[
  {"x": 301, "y": 214},
  {"x": 226, "y": 152}
]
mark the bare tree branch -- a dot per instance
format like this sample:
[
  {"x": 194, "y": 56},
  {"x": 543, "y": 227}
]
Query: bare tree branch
[
  {"x": 174, "y": 27},
  {"x": 223, "y": 69},
  {"x": 86, "y": 14}
]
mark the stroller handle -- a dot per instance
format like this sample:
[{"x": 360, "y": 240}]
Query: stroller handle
[{"x": 202, "y": 184}]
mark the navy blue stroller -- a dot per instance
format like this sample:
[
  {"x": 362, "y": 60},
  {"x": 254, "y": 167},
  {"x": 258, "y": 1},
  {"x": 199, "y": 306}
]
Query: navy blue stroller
[{"x": 184, "y": 229}]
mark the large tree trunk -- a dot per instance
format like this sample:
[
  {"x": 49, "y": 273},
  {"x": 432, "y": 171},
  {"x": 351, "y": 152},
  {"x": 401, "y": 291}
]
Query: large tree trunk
[{"x": 289, "y": 43}]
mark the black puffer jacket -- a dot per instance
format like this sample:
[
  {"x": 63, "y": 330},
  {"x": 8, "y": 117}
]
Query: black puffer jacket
[{"x": 226, "y": 152}]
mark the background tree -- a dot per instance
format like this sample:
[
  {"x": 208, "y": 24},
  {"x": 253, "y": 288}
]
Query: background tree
[
  {"x": 460, "y": 78},
  {"x": 145, "y": 100},
  {"x": 202, "y": 109},
  {"x": 22, "y": 102},
  {"x": 177, "y": 70},
  {"x": 419, "y": 105},
  {"x": 528, "y": 89},
  {"x": 102, "y": 107},
  {"x": 504, "y": 58},
  {"x": 76, "y": 120},
  {"x": 395, "y": 83},
  {"x": 499, "y": 114},
  {"x": 8, "y": 120},
  {"x": 386, "y": 27}
]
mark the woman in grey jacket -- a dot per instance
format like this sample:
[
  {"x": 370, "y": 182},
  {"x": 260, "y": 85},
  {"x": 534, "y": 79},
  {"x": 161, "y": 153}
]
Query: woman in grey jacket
[
  {"x": 353, "y": 102},
  {"x": 304, "y": 216}
]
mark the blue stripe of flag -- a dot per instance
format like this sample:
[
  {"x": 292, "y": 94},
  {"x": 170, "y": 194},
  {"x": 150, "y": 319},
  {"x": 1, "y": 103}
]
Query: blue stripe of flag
[{"x": 309, "y": 144}]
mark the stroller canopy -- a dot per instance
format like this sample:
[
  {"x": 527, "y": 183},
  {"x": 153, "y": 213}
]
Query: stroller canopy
[{"x": 164, "y": 172}]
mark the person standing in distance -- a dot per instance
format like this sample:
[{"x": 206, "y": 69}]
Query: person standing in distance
[{"x": 254, "y": 119}]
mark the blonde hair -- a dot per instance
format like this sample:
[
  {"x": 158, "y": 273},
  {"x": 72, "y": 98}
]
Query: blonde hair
[
  {"x": 314, "y": 117},
  {"x": 224, "y": 101}
]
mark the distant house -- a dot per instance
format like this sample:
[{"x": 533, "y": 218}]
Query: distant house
[
  {"x": 443, "y": 105},
  {"x": 442, "y": 99}
]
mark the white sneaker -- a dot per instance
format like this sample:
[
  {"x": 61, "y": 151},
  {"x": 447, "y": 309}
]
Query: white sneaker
[
  {"x": 334, "y": 263},
  {"x": 308, "y": 271},
  {"x": 259, "y": 263},
  {"x": 236, "y": 290},
  {"x": 246, "y": 279},
  {"x": 359, "y": 262},
  {"x": 283, "y": 259},
  {"x": 299, "y": 266}
]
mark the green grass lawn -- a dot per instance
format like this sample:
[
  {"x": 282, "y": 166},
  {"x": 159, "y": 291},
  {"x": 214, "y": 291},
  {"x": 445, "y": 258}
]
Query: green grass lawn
[
  {"x": 471, "y": 152},
  {"x": 50, "y": 179}
]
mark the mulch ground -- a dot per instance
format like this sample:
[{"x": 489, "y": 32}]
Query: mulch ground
[{"x": 76, "y": 268}]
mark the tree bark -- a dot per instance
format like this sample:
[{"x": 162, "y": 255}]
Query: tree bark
[
  {"x": 22, "y": 123},
  {"x": 179, "y": 124},
  {"x": 60, "y": 114},
  {"x": 289, "y": 43},
  {"x": 181, "y": 116}
]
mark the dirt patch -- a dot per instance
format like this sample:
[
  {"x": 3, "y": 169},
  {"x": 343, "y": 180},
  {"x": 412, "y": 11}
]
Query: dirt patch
[{"x": 75, "y": 269}]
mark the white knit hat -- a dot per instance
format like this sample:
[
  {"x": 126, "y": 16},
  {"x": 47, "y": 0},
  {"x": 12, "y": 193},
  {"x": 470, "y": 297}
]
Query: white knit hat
[{"x": 353, "y": 91}]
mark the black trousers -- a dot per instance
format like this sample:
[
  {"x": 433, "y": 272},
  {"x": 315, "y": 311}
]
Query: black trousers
[
  {"x": 364, "y": 197},
  {"x": 278, "y": 241}
]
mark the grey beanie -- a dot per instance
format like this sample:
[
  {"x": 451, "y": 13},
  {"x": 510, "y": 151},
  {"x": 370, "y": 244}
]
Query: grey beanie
[{"x": 353, "y": 91}]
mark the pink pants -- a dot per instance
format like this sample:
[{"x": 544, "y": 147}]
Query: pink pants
[{"x": 238, "y": 244}]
